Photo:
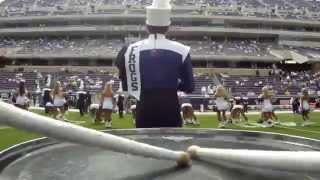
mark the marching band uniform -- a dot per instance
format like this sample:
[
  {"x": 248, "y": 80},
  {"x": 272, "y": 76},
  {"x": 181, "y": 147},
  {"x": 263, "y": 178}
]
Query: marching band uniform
[{"x": 153, "y": 70}]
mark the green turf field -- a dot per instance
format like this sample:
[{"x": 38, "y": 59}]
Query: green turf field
[{"x": 10, "y": 136}]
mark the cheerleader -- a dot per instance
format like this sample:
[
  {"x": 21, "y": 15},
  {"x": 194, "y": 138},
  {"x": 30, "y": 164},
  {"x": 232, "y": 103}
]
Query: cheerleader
[
  {"x": 237, "y": 111},
  {"x": 274, "y": 116},
  {"x": 188, "y": 115},
  {"x": 22, "y": 101},
  {"x": 221, "y": 97},
  {"x": 133, "y": 109},
  {"x": 59, "y": 101},
  {"x": 107, "y": 103},
  {"x": 267, "y": 108},
  {"x": 304, "y": 105},
  {"x": 94, "y": 112}
]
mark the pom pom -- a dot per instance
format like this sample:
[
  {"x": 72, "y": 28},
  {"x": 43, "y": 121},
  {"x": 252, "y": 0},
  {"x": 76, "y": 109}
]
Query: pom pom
[
  {"x": 184, "y": 160},
  {"x": 192, "y": 151}
]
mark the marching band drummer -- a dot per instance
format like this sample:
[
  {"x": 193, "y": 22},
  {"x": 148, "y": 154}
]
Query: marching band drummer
[
  {"x": 221, "y": 97},
  {"x": 154, "y": 69},
  {"x": 22, "y": 101}
]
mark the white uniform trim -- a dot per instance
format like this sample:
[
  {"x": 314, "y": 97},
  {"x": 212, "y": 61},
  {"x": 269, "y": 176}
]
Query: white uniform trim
[
  {"x": 132, "y": 63},
  {"x": 304, "y": 105},
  {"x": 267, "y": 106},
  {"x": 237, "y": 107},
  {"x": 162, "y": 43},
  {"x": 186, "y": 105},
  {"x": 59, "y": 101},
  {"x": 221, "y": 103},
  {"x": 22, "y": 100},
  {"x": 107, "y": 103},
  {"x": 133, "y": 107},
  {"x": 94, "y": 106}
]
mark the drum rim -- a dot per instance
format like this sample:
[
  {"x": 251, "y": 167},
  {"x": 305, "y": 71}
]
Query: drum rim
[{"x": 13, "y": 153}]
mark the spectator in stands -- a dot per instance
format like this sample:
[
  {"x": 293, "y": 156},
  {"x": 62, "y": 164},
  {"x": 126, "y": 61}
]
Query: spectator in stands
[
  {"x": 107, "y": 104},
  {"x": 221, "y": 99},
  {"x": 166, "y": 68},
  {"x": 304, "y": 105},
  {"x": 59, "y": 101},
  {"x": 22, "y": 100}
]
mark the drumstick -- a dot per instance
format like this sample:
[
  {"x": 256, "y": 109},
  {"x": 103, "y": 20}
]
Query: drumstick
[
  {"x": 21, "y": 119},
  {"x": 275, "y": 160}
]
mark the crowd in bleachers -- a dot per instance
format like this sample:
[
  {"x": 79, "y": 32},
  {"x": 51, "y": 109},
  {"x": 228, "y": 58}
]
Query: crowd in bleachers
[
  {"x": 77, "y": 90},
  {"x": 44, "y": 46},
  {"x": 292, "y": 9},
  {"x": 112, "y": 46},
  {"x": 240, "y": 47},
  {"x": 284, "y": 83},
  {"x": 72, "y": 81}
]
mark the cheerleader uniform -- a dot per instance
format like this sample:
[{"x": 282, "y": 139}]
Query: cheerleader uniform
[
  {"x": 222, "y": 104},
  {"x": 59, "y": 101},
  {"x": 267, "y": 106},
  {"x": 107, "y": 103},
  {"x": 237, "y": 107},
  {"x": 305, "y": 107},
  {"x": 133, "y": 111},
  {"x": 22, "y": 101}
]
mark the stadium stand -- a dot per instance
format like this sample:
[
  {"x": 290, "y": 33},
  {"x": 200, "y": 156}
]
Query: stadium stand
[{"x": 292, "y": 9}]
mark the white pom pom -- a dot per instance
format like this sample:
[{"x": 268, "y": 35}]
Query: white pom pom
[{"x": 192, "y": 151}]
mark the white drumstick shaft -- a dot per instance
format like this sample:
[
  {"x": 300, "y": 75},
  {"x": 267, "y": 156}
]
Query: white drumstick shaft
[
  {"x": 12, "y": 116},
  {"x": 276, "y": 160}
]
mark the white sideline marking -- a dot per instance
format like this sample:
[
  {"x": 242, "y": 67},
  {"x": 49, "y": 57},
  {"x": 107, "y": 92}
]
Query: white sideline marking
[
  {"x": 4, "y": 127},
  {"x": 301, "y": 130}
]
